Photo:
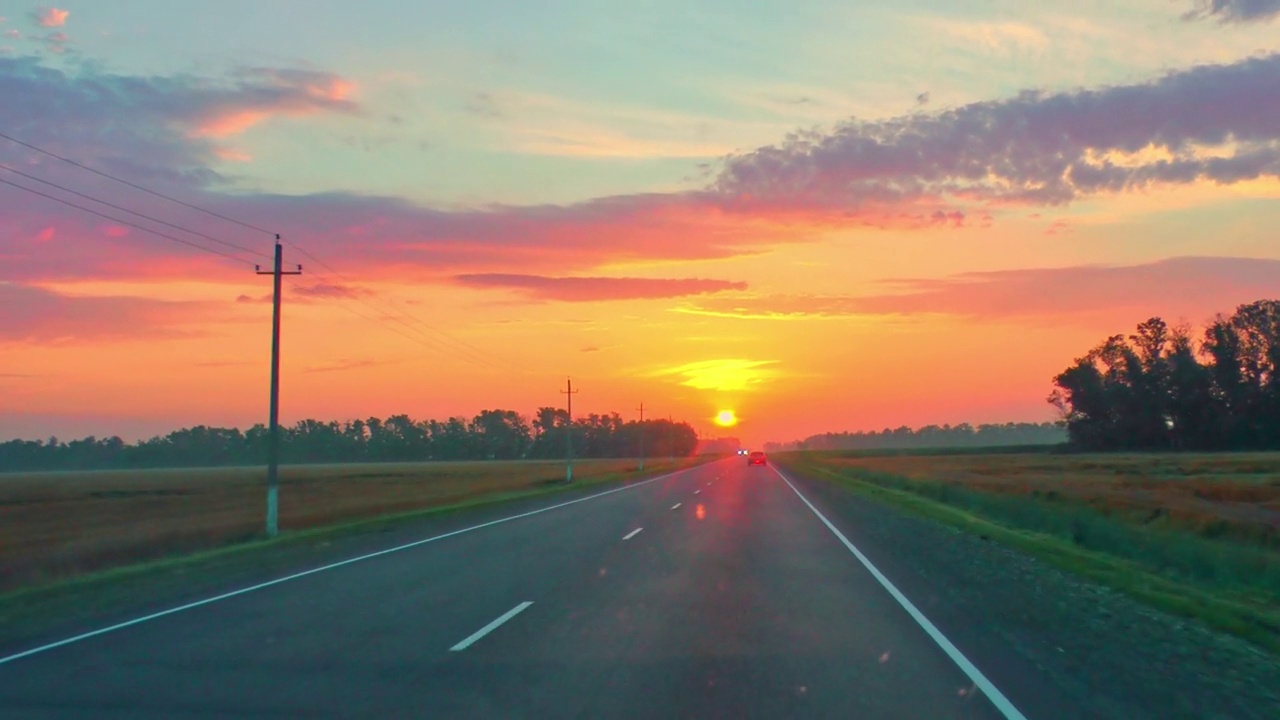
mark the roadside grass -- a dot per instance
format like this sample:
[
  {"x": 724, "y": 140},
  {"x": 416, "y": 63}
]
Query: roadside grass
[
  {"x": 58, "y": 526},
  {"x": 1194, "y": 535}
]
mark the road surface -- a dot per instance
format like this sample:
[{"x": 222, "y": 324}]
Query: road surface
[{"x": 715, "y": 592}]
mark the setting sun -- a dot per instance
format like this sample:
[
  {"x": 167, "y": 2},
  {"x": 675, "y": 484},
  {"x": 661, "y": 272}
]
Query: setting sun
[{"x": 726, "y": 418}]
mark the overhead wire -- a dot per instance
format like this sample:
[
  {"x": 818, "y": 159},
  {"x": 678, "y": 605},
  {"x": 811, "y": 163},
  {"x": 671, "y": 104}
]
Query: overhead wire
[
  {"x": 382, "y": 315},
  {"x": 463, "y": 346},
  {"x": 135, "y": 186},
  {"x": 135, "y": 213},
  {"x": 459, "y": 348},
  {"x": 127, "y": 223}
]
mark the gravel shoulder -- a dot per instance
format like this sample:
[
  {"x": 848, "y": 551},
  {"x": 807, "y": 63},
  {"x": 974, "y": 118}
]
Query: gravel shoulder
[{"x": 1114, "y": 656}]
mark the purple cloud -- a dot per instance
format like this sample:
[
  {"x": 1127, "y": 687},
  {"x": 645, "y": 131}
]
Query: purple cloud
[
  {"x": 1234, "y": 11},
  {"x": 927, "y": 168},
  {"x": 151, "y": 128},
  {"x": 1035, "y": 148},
  {"x": 591, "y": 289}
]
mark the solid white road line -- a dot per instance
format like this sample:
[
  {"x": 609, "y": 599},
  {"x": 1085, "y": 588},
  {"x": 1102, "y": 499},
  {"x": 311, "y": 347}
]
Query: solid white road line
[
  {"x": 673, "y": 507},
  {"x": 490, "y": 627},
  {"x": 322, "y": 568},
  {"x": 632, "y": 534},
  {"x": 695, "y": 492},
  {"x": 997, "y": 698}
]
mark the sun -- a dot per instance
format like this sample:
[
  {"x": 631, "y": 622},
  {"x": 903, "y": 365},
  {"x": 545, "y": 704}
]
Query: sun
[{"x": 726, "y": 418}]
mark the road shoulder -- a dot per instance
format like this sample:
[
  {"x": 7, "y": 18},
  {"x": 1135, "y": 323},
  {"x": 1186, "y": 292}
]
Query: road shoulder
[{"x": 1118, "y": 657}]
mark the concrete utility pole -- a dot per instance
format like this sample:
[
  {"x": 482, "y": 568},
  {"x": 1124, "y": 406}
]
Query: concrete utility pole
[
  {"x": 570, "y": 392},
  {"x": 641, "y": 408},
  {"x": 273, "y": 438}
]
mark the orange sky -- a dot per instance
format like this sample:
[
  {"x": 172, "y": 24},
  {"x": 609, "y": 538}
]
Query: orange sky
[{"x": 817, "y": 244}]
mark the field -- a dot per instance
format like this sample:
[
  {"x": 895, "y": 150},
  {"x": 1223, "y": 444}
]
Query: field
[
  {"x": 1194, "y": 534},
  {"x": 64, "y": 524}
]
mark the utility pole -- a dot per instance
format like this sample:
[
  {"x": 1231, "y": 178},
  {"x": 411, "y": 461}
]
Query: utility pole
[
  {"x": 273, "y": 438},
  {"x": 570, "y": 392},
  {"x": 671, "y": 437},
  {"x": 641, "y": 408}
]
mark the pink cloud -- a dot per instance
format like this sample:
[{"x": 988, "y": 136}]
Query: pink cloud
[
  {"x": 273, "y": 92},
  {"x": 1058, "y": 227},
  {"x": 1177, "y": 288},
  {"x": 312, "y": 293},
  {"x": 945, "y": 168},
  {"x": 46, "y": 234},
  {"x": 330, "y": 290},
  {"x": 50, "y": 17},
  {"x": 56, "y": 42},
  {"x": 29, "y": 314},
  {"x": 115, "y": 231},
  {"x": 231, "y": 154},
  {"x": 592, "y": 289}
]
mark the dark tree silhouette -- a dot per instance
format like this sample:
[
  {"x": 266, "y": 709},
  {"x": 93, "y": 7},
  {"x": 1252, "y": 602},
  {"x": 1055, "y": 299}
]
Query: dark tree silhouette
[
  {"x": 1156, "y": 390},
  {"x": 490, "y": 435},
  {"x": 931, "y": 436}
]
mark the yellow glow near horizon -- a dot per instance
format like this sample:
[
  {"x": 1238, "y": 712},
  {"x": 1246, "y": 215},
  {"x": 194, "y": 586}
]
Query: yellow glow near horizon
[{"x": 726, "y": 418}]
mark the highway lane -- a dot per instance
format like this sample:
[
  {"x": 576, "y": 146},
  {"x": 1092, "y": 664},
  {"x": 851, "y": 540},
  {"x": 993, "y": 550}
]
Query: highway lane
[{"x": 715, "y": 592}]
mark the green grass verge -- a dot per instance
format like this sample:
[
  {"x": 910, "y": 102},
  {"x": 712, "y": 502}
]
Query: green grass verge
[
  {"x": 1249, "y": 612},
  {"x": 25, "y": 612}
]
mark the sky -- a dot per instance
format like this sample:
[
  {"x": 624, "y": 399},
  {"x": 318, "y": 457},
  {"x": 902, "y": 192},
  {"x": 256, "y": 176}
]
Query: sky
[{"x": 822, "y": 216}]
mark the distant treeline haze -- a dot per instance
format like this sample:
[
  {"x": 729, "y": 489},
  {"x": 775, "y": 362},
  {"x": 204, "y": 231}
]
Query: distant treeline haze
[
  {"x": 491, "y": 435},
  {"x": 932, "y": 436},
  {"x": 1161, "y": 389}
]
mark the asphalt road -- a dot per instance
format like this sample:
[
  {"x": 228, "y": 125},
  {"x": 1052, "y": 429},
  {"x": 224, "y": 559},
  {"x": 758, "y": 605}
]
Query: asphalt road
[{"x": 717, "y": 592}]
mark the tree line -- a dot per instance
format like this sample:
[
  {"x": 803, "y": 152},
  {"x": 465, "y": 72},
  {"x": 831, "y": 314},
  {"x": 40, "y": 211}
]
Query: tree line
[
  {"x": 490, "y": 435},
  {"x": 932, "y": 436},
  {"x": 1160, "y": 388}
]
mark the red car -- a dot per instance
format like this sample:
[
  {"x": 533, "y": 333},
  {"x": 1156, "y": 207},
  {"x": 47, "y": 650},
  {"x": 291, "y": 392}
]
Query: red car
[{"x": 756, "y": 458}]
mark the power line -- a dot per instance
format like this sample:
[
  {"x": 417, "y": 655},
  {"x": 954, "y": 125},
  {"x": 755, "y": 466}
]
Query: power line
[
  {"x": 341, "y": 277},
  {"x": 460, "y": 348},
  {"x": 132, "y": 212},
  {"x": 135, "y": 186},
  {"x": 143, "y": 228},
  {"x": 468, "y": 351},
  {"x": 419, "y": 339}
]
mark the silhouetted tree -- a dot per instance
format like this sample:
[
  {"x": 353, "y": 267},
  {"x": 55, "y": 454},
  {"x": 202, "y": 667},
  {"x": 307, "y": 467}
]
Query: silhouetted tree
[{"x": 1150, "y": 390}]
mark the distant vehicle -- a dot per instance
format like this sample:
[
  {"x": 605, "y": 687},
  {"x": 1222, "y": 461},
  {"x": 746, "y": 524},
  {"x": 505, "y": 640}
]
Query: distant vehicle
[
  {"x": 757, "y": 458},
  {"x": 742, "y": 452}
]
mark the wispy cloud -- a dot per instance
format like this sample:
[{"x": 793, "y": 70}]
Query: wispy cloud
[
  {"x": 593, "y": 289},
  {"x": 36, "y": 315},
  {"x": 1177, "y": 287},
  {"x": 343, "y": 365},
  {"x": 728, "y": 375},
  {"x": 162, "y": 128},
  {"x": 50, "y": 17},
  {"x": 483, "y": 105},
  {"x": 1233, "y": 11},
  {"x": 1212, "y": 123},
  {"x": 222, "y": 363},
  {"x": 1216, "y": 123},
  {"x": 331, "y": 290},
  {"x": 993, "y": 38}
]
